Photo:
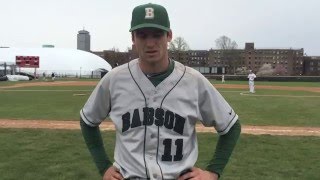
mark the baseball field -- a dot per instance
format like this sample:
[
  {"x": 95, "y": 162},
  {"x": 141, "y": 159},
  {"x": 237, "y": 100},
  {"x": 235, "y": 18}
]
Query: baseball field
[{"x": 40, "y": 136}]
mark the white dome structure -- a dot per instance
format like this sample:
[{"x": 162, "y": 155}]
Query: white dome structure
[{"x": 60, "y": 61}]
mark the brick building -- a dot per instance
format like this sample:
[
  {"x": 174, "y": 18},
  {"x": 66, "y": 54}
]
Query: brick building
[
  {"x": 216, "y": 61},
  {"x": 311, "y": 65}
]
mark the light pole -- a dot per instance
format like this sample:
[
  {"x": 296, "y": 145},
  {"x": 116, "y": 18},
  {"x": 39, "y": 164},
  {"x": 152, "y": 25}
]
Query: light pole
[{"x": 80, "y": 72}]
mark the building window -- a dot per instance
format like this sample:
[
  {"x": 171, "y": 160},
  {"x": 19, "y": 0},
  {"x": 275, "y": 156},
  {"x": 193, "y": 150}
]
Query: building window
[{"x": 214, "y": 70}]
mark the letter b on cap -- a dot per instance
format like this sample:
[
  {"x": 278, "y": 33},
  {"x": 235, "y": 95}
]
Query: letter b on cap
[{"x": 149, "y": 13}]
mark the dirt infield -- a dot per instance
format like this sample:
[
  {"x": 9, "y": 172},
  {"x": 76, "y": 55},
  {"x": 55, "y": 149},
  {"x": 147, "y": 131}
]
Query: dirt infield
[
  {"x": 256, "y": 130},
  {"x": 107, "y": 125}
]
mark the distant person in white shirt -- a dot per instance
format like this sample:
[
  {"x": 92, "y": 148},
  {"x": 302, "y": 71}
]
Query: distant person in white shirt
[
  {"x": 222, "y": 79},
  {"x": 251, "y": 78},
  {"x": 53, "y": 76},
  {"x": 44, "y": 76}
]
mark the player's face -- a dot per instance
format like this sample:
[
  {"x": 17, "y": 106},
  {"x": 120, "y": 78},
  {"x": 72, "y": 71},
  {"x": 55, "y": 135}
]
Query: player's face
[{"x": 151, "y": 44}]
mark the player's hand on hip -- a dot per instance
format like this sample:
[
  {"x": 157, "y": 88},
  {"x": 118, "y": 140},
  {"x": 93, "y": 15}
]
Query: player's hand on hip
[
  {"x": 112, "y": 174},
  {"x": 198, "y": 174}
]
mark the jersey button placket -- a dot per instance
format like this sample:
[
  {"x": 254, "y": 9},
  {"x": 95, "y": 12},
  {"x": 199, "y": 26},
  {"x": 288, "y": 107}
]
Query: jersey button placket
[
  {"x": 155, "y": 93},
  {"x": 150, "y": 157},
  {"x": 155, "y": 176}
]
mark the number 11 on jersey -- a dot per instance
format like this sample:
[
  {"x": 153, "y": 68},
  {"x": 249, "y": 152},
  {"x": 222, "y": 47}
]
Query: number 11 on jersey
[{"x": 167, "y": 150}]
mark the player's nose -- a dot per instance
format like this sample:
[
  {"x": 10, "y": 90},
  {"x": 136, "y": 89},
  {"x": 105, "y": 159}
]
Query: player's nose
[{"x": 150, "y": 42}]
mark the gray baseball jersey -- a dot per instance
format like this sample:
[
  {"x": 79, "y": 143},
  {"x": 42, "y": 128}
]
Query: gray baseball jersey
[{"x": 155, "y": 126}]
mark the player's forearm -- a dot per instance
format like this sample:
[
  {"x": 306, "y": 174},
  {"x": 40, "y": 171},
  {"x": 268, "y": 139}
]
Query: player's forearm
[
  {"x": 224, "y": 149},
  {"x": 94, "y": 143}
]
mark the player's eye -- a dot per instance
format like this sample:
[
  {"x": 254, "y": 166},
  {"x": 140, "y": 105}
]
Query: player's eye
[
  {"x": 141, "y": 35},
  {"x": 158, "y": 35}
]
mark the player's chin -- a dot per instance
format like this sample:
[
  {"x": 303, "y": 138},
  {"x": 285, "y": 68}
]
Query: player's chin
[{"x": 152, "y": 59}]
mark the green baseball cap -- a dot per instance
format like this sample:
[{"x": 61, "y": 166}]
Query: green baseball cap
[{"x": 150, "y": 15}]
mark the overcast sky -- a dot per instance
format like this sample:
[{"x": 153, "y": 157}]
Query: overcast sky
[{"x": 267, "y": 23}]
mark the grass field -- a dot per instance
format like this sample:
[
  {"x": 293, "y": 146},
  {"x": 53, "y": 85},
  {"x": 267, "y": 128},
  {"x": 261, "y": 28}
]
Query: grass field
[
  {"x": 271, "y": 83},
  {"x": 290, "y": 108},
  {"x": 266, "y": 107},
  {"x": 61, "y": 154}
]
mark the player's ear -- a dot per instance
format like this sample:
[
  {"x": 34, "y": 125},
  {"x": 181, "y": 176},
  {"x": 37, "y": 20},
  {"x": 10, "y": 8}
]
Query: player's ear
[
  {"x": 132, "y": 37},
  {"x": 169, "y": 36}
]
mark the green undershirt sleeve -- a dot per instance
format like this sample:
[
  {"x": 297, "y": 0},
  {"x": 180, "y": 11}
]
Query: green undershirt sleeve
[
  {"x": 93, "y": 139},
  {"x": 224, "y": 148}
]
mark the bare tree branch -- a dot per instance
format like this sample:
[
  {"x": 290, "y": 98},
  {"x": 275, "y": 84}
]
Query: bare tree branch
[
  {"x": 229, "y": 54},
  {"x": 178, "y": 44}
]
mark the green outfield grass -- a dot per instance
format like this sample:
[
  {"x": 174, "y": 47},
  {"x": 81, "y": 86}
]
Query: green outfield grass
[
  {"x": 265, "y": 107},
  {"x": 51, "y": 105},
  {"x": 51, "y": 88},
  {"x": 290, "y": 108},
  {"x": 271, "y": 83},
  {"x": 61, "y": 154},
  {"x": 8, "y": 83}
]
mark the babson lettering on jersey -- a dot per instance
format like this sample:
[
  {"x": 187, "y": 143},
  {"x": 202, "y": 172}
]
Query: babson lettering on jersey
[{"x": 150, "y": 116}]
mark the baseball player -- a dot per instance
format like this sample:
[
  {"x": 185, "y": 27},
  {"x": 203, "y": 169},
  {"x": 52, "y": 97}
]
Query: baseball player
[
  {"x": 44, "y": 76},
  {"x": 251, "y": 78},
  {"x": 53, "y": 76},
  {"x": 222, "y": 79},
  {"x": 155, "y": 104}
]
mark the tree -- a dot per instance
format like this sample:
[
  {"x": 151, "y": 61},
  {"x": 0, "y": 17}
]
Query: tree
[
  {"x": 178, "y": 44},
  {"x": 129, "y": 49},
  {"x": 230, "y": 54},
  {"x": 114, "y": 57},
  {"x": 177, "y": 47},
  {"x": 115, "y": 49},
  {"x": 225, "y": 43},
  {"x": 279, "y": 70},
  {"x": 242, "y": 70},
  {"x": 265, "y": 70}
]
